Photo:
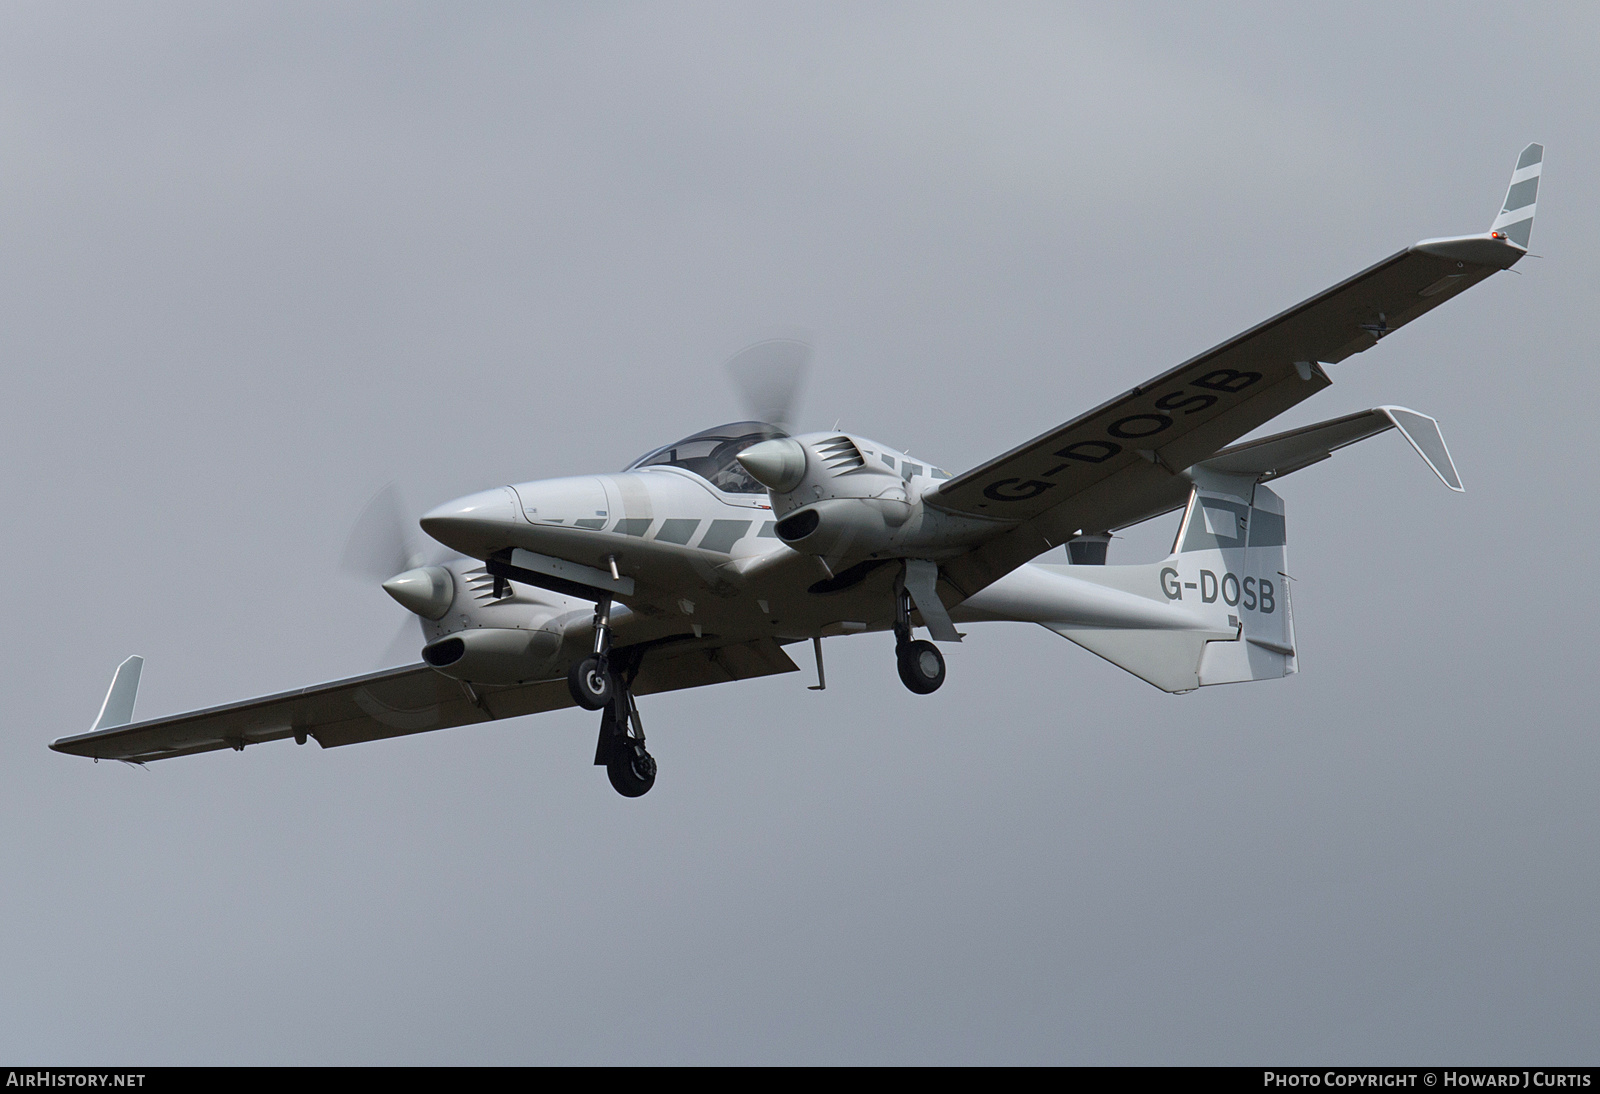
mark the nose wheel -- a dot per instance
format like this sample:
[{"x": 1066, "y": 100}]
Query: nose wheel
[{"x": 591, "y": 683}]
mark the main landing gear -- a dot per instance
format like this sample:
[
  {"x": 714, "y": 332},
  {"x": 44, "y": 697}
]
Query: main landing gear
[
  {"x": 604, "y": 682},
  {"x": 620, "y": 749},
  {"x": 920, "y": 663}
]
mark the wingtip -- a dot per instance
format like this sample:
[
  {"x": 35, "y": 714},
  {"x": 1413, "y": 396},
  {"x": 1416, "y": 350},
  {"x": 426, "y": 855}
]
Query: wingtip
[{"x": 1491, "y": 249}]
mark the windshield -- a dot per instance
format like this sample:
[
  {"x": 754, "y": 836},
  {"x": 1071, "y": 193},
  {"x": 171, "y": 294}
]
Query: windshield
[{"x": 710, "y": 454}]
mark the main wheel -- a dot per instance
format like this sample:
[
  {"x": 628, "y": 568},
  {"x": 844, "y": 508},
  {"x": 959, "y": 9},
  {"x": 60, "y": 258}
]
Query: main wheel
[
  {"x": 921, "y": 666},
  {"x": 591, "y": 685},
  {"x": 631, "y": 769}
]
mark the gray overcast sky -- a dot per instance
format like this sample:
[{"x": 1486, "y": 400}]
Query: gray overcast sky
[{"x": 260, "y": 259}]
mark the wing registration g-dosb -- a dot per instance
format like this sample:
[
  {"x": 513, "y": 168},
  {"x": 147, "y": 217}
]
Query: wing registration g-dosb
[{"x": 706, "y": 559}]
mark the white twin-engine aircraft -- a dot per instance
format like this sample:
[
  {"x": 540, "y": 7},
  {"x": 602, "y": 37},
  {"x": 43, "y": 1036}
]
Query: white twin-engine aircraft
[{"x": 704, "y": 559}]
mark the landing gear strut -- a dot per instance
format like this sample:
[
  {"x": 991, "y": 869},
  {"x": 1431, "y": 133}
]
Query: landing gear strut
[
  {"x": 620, "y": 749},
  {"x": 920, "y": 663}
]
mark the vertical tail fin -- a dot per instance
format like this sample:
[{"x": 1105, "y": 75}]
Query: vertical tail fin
[{"x": 1233, "y": 543}]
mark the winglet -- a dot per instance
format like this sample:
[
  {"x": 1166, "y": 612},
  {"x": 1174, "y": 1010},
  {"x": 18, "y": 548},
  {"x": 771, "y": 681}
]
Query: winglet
[
  {"x": 117, "y": 710},
  {"x": 1516, "y": 213},
  {"x": 1423, "y": 434},
  {"x": 1507, "y": 239}
]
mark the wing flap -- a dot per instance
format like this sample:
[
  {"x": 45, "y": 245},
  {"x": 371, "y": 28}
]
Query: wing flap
[{"x": 697, "y": 667}]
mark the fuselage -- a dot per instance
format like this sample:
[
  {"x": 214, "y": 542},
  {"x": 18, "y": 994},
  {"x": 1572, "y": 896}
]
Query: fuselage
[{"x": 701, "y": 543}]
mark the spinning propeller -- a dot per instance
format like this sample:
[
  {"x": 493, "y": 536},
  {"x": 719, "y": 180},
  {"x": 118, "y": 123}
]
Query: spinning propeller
[
  {"x": 384, "y": 543},
  {"x": 768, "y": 376},
  {"x": 385, "y": 548}
]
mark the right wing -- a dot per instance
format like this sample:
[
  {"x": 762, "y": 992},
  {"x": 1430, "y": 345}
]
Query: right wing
[{"x": 393, "y": 703}]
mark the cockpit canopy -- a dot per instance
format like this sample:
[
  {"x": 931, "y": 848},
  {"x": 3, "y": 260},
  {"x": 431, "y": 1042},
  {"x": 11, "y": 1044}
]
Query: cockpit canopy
[{"x": 710, "y": 454}]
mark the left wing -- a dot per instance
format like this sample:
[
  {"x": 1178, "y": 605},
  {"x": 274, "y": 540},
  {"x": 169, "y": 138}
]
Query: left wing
[
  {"x": 392, "y": 703},
  {"x": 1100, "y": 470}
]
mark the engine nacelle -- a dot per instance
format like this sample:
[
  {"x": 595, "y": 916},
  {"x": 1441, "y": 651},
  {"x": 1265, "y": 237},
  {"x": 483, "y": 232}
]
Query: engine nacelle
[
  {"x": 831, "y": 499},
  {"x": 495, "y": 655},
  {"x": 844, "y": 527}
]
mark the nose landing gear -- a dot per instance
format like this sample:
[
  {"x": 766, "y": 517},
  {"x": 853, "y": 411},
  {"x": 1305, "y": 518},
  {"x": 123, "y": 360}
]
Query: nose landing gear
[{"x": 590, "y": 680}]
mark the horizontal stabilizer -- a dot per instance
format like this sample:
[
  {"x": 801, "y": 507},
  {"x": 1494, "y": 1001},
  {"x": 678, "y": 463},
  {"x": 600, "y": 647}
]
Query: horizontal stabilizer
[
  {"x": 1276, "y": 456},
  {"x": 1168, "y": 659},
  {"x": 117, "y": 710}
]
